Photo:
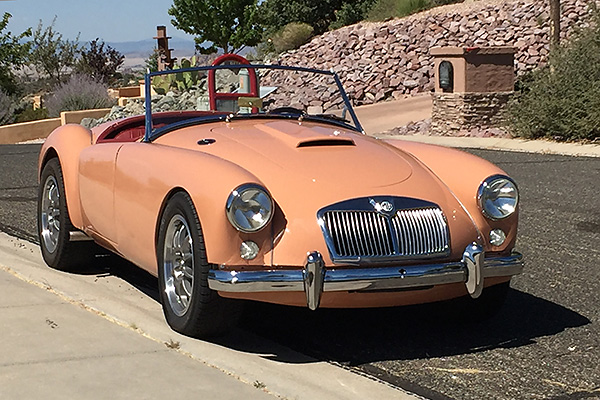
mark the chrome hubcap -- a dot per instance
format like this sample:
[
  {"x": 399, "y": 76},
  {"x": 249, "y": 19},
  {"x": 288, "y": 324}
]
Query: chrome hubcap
[
  {"x": 50, "y": 214},
  {"x": 178, "y": 259}
]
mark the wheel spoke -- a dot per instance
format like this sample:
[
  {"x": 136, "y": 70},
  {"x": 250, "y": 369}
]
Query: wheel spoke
[
  {"x": 54, "y": 195},
  {"x": 188, "y": 273},
  {"x": 187, "y": 287},
  {"x": 176, "y": 239},
  {"x": 185, "y": 301}
]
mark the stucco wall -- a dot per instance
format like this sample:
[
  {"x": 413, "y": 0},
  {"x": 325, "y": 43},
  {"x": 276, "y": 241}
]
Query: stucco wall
[
  {"x": 27, "y": 130},
  {"x": 24, "y": 131}
]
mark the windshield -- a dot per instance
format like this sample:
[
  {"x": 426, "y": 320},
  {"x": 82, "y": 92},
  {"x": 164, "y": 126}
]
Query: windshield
[{"x": 226, "y": 92}]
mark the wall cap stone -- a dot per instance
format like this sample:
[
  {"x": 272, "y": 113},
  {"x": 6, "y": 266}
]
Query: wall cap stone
[{"x": 461, "y": 51}]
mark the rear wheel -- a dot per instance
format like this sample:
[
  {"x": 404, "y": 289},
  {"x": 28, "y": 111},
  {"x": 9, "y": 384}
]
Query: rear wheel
[
  {"x": 189, "y": 305},
  {"x": 54, "y": 224}
]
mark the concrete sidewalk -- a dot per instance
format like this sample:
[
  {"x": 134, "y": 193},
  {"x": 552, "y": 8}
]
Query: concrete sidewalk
[
  {"x": 53, "y": 349},
  {"x": 520, "y": 145},
  {"x": 96, "y": 336},
  {"x": 382, "y": 117}
]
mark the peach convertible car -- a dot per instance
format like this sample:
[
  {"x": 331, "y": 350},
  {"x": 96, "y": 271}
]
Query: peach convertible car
[{"x": 257, "y": 182}]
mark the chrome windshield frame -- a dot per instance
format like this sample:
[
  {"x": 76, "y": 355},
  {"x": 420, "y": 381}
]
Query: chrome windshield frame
[{"x": 150, "y": 134}]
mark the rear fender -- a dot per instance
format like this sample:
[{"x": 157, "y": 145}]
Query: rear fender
[{"x": 66, "y": 142}]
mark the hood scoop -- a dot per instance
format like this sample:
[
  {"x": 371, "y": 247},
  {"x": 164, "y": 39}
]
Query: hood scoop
[
  {"x": 299, "y": 136},
  {"x": 326, "y": 142}
]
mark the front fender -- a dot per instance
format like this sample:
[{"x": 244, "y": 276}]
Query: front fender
[
  {"x": 142, "y": 189},
  {"x": 462, "y": 173},
  {"x": 66, "y": 142}
]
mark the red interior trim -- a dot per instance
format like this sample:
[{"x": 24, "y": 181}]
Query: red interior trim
[{"x": 132, "y": 129}]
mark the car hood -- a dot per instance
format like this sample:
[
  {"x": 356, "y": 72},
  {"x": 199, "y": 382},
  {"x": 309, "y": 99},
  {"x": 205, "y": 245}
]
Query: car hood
[
  {"x": 307, "y": 166},
  {"x": 306, "y": 153}
]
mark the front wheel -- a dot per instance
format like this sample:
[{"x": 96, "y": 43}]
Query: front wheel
[{"x": 189, "y": 305}]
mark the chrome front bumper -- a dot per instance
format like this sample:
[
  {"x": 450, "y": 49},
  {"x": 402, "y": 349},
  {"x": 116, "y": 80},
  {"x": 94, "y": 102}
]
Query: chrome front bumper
[{"x": 314, "y": 278}]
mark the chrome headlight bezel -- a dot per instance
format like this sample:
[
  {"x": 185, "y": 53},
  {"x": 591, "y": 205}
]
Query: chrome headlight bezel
[
  {"x": 487, "y": 199},
  {"x": 236, "y": 198}
]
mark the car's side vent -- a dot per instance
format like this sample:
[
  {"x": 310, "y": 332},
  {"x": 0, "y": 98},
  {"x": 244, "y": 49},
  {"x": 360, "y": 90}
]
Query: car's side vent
[{"x": 326, "y": 142}]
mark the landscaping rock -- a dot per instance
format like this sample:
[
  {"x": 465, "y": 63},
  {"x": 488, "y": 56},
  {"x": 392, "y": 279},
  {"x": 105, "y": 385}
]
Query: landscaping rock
[{"x": 366, "y": 53}]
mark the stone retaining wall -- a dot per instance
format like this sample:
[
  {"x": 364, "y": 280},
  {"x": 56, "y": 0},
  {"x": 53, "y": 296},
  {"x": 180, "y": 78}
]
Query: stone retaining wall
[
  {"x": 456, "y": 113},
  {"x": 388, "y": 60}
]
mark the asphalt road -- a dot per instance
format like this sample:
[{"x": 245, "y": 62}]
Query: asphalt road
[{"x": 544, "y": 344}]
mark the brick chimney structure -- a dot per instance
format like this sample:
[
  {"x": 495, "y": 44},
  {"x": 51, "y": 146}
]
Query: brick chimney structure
[{"x": 165, "y": 61}]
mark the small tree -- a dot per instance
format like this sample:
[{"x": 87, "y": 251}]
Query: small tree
[
  {"x": 152, "y": 61},
  {"x": 13, "y": 54},
  {"x": 229, "y": 24},
  {"x": 50, "y": 54},
  {"x": 100, "y": 60},
  {"x": 320, "y": 14},
  {"x": 7, "y": 108},
  {"x": 562, "y": 100},
  {"x": 351, "y": 12}
]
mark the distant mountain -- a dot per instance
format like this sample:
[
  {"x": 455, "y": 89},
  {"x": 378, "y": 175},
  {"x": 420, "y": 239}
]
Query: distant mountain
[{"x": 143, "y": 48}]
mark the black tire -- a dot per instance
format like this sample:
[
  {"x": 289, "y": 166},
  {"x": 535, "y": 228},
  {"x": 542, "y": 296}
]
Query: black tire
[
  {"x": 54, "y": 224},
  {"x": 189, "y": 305},
  {"x": 485, "y": 306}
]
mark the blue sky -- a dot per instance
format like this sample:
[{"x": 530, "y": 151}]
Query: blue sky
[{"x": 110, "y": 20}]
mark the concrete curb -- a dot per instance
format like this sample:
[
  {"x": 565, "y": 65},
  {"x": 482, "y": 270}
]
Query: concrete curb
[
  {"x": 520, "y": 145},
  {"x": 254, "y": 361}
]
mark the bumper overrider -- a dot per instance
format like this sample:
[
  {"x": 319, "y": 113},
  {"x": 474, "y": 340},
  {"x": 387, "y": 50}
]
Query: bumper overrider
[{"x": 315, "y": 278}]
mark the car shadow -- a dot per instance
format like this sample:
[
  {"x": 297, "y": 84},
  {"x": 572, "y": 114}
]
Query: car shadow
[
  {"x": 355, "y": 337},
  {"x": 113, "y": 265}
]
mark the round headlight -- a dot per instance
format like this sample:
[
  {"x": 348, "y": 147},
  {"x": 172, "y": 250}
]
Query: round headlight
[
  {"x": 249, "y": 208},
  {"x": 498, "y": 197}
]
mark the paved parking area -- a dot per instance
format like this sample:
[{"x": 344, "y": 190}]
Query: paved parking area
[{"x": 544, "y": 344}]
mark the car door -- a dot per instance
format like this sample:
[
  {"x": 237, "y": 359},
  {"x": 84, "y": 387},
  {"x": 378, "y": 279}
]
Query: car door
[{"x": 96, "y": 186}]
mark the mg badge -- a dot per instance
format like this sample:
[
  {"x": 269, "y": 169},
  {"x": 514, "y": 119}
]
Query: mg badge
[{"x": 386, "y": 206}]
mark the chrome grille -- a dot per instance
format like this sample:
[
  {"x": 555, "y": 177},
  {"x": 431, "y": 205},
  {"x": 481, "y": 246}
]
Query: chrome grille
[
  {"x": 357, "y": 233},
  {"x": 352, "y": 234},
  {"x": 420, "y": 232}
]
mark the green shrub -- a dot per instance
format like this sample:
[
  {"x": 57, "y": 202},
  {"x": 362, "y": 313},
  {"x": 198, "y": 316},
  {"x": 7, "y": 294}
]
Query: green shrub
[
  {"x": 387, "y": 9},
  {"x": 29, "y": 114},
  {"x": 351, "y": 13},
  {"x": 383, "y": 10},
  {"x": 7, "y": 108},
  {"x": 562, "y": 100},
  {"x": 292, "y": 36},
  {"x": 80, "y": 92}
]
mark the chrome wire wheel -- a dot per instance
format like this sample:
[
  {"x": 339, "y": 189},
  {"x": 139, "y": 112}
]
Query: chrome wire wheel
[
  {"x": 178, "y": 259},
  {"x": 50, "y": 214}
]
